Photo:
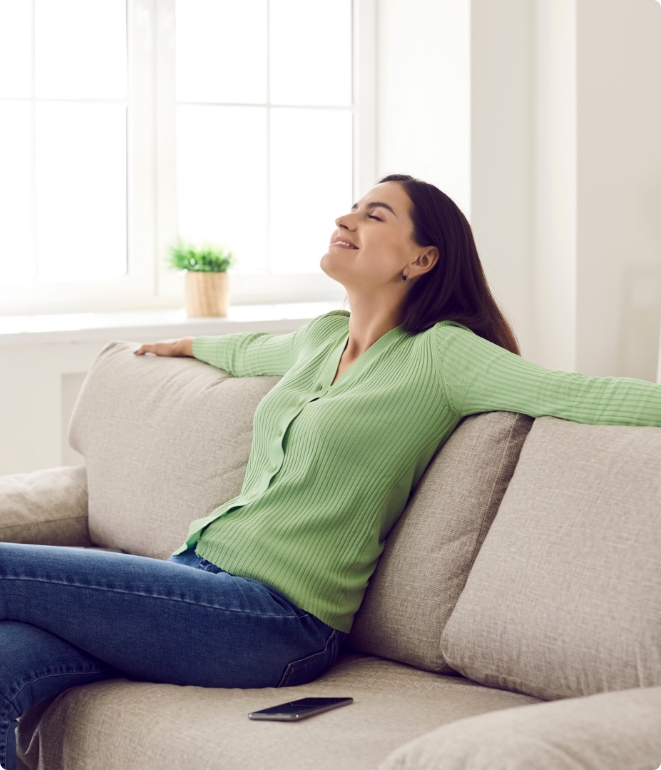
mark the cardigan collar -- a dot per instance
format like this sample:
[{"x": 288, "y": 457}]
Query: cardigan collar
[{"x": 363, "y": 360}]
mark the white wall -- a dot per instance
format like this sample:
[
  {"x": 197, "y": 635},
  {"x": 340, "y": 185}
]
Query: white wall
[
  {"x": 501, "y": 153},
  {"x": 36, "y": 401},
  {"x": 553, "y": 254},
  {"x": 618, "y": 75},
  {"x": 523, "y": 149},
  {"x": 597, "y": 186},
  {"x": 423, "y": 93}
]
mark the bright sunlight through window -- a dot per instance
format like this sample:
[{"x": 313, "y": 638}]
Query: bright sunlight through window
[
  {"x": 123, "y": 124},
  {"x": 264, "y": 115}
]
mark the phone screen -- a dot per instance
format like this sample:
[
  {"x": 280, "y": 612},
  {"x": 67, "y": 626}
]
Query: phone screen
[{"x": 300, "y": 709}]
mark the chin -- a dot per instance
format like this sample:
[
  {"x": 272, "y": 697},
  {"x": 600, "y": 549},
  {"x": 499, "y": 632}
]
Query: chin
[
  {"x": 323, "y": 264},
  {"x": 334, "y": 274}
]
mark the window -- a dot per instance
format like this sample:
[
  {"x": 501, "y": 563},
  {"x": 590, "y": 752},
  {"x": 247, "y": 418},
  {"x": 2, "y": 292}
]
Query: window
[{"x": 124, "y": 124}]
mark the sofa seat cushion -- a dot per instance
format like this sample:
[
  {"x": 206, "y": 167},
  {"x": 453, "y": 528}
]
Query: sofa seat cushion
[
  {"x": 609, "y": 731},
  {"x": 144, "y": 726},
  {"x": 430, "y": 551},
  {"x": 564, "y": 598}
]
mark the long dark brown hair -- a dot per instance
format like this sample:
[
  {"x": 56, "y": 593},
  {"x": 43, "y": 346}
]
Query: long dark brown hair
[{"x": 456, "y": 288}]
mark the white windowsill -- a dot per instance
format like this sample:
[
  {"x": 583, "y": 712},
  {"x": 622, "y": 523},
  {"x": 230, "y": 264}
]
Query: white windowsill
[{"x": 139, "y": 325}]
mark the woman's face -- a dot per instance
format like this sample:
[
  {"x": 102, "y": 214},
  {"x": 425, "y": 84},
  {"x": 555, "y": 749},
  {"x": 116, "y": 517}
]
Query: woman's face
[{"x": 379, "y": 230}]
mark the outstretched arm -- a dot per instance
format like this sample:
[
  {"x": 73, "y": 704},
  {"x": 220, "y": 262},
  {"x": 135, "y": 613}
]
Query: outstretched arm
[
  {"x": 479, "y": 376},
  {"x": 244, "y": 354},
  {"x": 249, "y": 354}
]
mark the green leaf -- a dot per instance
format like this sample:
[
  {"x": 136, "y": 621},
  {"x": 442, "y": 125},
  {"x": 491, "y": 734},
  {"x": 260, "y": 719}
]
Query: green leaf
[{"x": 204, "y": 258}]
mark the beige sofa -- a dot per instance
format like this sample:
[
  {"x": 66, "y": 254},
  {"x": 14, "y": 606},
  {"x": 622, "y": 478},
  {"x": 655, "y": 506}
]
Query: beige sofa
[{"x": 513, "y": 621}]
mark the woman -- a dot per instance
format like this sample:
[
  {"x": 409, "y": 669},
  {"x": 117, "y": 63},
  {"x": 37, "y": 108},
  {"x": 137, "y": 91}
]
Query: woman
[{"x": 264, "y": 590}]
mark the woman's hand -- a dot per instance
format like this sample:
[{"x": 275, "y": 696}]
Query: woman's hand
[{"x": 182, "y": 347}]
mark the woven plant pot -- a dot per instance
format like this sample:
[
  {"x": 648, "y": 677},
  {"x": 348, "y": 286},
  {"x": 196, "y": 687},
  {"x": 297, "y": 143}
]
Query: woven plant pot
[{"x": 206, "y": 294}]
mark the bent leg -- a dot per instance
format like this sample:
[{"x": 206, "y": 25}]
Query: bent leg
[
  {"x": 159, "y": 621},
  {"x": 35, "y": 665},
  {"x": 70, "y": 616}
]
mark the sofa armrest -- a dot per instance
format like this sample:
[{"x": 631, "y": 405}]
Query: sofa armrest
[
  {"x": 47, "y": 507},
  {"x": 608, "y": 731}
]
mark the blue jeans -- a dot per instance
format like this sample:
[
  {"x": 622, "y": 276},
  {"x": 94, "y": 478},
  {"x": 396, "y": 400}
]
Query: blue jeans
[{"x": 71, "y": 616}]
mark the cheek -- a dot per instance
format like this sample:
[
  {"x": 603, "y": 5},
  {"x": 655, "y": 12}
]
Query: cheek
[
  {"x": 377, "y": 264},
  {"x": 384, "y": 255}
]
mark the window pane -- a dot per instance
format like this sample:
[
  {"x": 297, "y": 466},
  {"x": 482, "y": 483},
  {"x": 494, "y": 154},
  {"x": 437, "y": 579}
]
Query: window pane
[
  {"x": 221, "y": 180},
  {"x": 15, "y": 48},
  {"x": 221, "y": 51},
  {"x": 80, "y": 49},
  {"x": 81, "y": 191},
  {"x": 311, "y": 184},
  {"x": 15, "y": 188},
  {"x": 311, "y": 52}
]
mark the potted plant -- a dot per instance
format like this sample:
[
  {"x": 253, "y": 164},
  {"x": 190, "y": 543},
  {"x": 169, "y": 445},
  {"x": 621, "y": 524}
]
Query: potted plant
[{"x": 206, "y": 291}]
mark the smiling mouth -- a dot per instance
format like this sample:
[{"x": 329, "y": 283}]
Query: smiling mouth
[{"x": 343, "y": 245}]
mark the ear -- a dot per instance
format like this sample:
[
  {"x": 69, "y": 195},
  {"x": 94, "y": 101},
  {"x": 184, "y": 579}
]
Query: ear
[{"x": 427, "y": 259}]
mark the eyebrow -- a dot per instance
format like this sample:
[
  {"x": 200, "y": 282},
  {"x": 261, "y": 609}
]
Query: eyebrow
[{"x": 374, "y": 204}]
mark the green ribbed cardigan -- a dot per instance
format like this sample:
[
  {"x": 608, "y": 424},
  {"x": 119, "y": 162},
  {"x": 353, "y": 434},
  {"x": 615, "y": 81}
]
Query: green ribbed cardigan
[{"x": 331, "y": 467}]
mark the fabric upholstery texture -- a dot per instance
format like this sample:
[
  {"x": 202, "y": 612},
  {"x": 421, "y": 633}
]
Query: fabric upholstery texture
[
  {"x": 431, "y": 549},
  {"x": 143, "y": 726},
  {"x": 610, "y": 731},
  {"x": 164, "y": 443},
  {"x": 564, "y": 598},
  {"x": 47, "y": 507}
]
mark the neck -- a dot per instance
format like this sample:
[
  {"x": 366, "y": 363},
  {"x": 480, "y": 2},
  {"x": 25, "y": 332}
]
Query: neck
[{"x": 367, "y": 323}]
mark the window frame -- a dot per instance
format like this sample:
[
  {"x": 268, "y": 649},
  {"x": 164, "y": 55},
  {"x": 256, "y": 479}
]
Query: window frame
[{"x": 151, "y": 180}]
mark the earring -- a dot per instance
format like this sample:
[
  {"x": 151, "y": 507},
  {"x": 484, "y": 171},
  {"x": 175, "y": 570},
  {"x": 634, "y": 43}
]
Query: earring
[{"x": 405, "y": 277}]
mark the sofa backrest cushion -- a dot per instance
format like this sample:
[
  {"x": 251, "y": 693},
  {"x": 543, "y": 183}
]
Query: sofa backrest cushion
[
  {"x": 564, "y": 598},
  {"x": 165, "y": 442},
  {"x": 431, "y": 549}
]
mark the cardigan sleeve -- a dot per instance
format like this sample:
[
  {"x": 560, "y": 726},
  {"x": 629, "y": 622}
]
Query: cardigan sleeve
[
  {"x": 250, "y": 354},
  {"x": 480, "y": 376}
]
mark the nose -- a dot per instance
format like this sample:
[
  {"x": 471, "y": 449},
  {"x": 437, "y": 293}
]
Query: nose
[{"x": 344, "y": 221}]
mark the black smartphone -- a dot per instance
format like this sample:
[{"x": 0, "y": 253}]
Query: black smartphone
[{"x": 300, "y": 709}]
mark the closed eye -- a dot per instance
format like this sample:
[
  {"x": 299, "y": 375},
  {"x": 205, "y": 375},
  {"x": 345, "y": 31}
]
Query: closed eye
[{"x": 371, "y": 216}]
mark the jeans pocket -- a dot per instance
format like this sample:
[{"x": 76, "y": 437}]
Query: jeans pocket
[{"x": 309, "y": 668}]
